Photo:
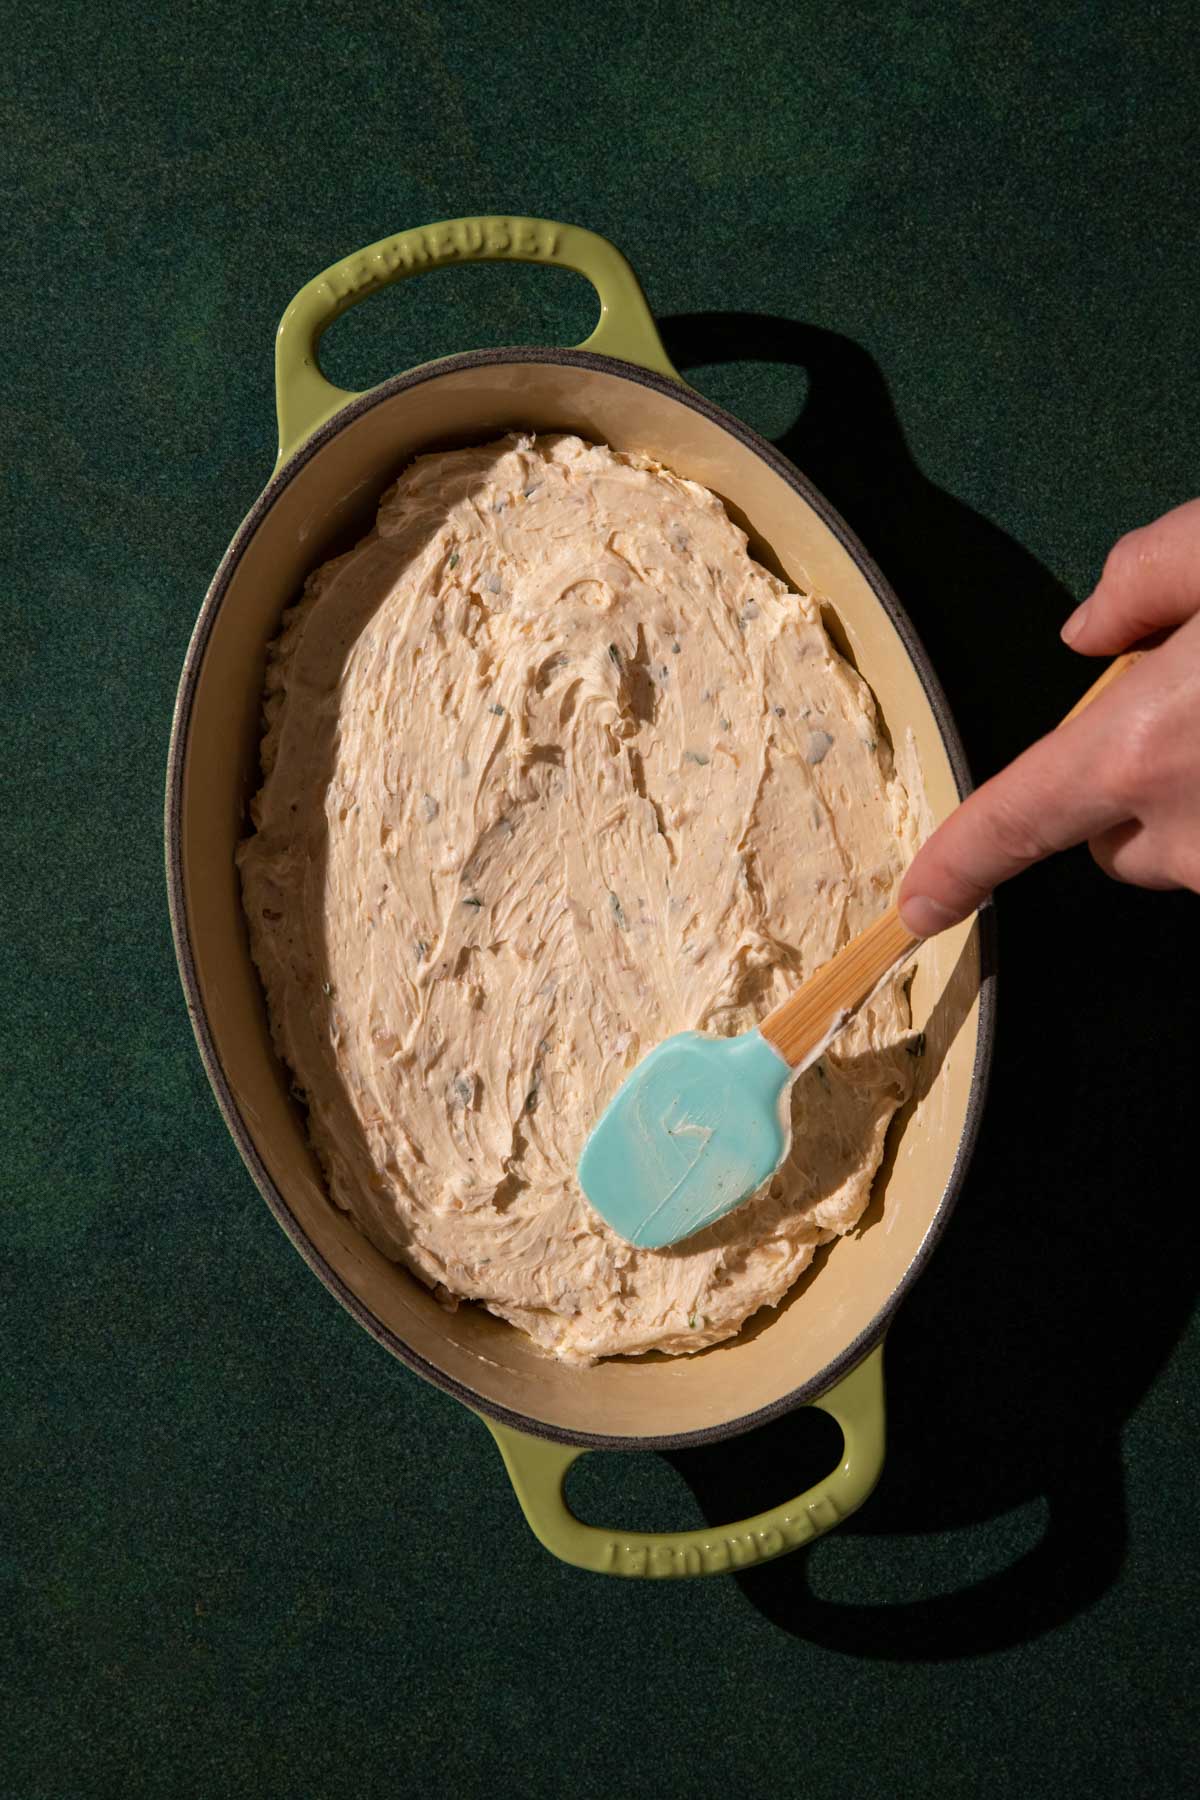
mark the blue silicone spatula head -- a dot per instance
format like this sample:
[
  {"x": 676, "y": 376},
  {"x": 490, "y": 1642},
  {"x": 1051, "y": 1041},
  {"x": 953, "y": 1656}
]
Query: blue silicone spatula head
[
  {"x": 702, "y": 1123},
  {"x": 698, "y": 1127}
]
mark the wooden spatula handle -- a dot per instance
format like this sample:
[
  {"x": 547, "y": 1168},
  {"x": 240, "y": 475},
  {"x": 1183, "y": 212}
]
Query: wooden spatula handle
[
  {"x": 797, "y": 1026},
  {"x": 803, "y": 1020},
  {"x": 1117, "y": 667}
]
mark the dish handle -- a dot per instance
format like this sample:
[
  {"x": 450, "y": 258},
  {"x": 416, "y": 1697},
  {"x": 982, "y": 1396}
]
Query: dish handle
[
  {"x": 305, "y": 399},
  {"x": 538, "y": 1469}
]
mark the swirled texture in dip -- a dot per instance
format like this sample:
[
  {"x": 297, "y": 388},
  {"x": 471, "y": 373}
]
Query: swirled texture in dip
[{"x": 552, "y": 770}]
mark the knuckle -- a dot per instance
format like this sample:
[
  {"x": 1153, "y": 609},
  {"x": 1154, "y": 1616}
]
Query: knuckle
[
  {"x": 1126, "y": 560},
  {"x": 1098, "y": 851},
  {"x": 1126, "y": 588},
  {"x": 1133, "y": 765},
  {"x": 1111, "y": 852},
  {"x": 1104, "y": 859},
  {"x": 1015, "y": 830}
]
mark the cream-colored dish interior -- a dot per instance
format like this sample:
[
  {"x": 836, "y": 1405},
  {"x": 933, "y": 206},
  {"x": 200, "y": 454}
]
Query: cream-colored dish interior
[{"x": 329, "y": 503}]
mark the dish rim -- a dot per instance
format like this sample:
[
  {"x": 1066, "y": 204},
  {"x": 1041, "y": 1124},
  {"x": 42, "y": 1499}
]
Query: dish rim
[{"x": 239, "y": 1130}]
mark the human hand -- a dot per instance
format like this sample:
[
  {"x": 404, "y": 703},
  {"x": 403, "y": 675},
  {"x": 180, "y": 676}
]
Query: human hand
[{"x": 1124, "y": 775}]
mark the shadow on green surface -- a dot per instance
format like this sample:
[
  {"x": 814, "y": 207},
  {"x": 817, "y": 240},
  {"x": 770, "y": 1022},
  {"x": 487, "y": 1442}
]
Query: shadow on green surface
[{"x": 1068, "y": 1272}]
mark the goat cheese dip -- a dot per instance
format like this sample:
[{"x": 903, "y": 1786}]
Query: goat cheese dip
[{"x": 551, "y": 770}]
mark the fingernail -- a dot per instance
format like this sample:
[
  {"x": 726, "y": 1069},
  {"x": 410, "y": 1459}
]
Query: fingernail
[
  {"x": 924, "y": 917},
  {"x": 1075, "y": 624}
]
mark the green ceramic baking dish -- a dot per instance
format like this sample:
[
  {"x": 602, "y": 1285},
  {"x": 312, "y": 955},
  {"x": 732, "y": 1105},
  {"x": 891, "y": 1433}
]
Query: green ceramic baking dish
[{"x": 337, "y": 452}]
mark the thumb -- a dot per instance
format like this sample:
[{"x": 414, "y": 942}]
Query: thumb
[{"x": 1150, "y": 583}]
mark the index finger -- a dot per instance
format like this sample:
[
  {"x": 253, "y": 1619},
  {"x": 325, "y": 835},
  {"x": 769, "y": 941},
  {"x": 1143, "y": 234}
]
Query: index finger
[{"x": 1050, "y": 798}]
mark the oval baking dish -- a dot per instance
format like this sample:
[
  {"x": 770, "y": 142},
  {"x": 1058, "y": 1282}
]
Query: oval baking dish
[{"x": 338, "y": 452}]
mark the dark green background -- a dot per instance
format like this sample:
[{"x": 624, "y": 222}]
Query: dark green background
[{"x": 947, "y": 255}]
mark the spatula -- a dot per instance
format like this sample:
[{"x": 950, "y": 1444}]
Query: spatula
[{"x": 703, "y": 1122}]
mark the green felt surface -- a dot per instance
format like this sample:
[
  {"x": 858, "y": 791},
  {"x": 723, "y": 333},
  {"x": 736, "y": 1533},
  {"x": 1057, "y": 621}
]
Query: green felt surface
[{"x": 947, "y": 256}]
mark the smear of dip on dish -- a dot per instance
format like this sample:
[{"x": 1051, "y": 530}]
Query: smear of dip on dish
[{"x": 553, "y": 769}]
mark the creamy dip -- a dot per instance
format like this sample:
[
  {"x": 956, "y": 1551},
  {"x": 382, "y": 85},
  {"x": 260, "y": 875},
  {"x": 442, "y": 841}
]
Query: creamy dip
[{"x": 553, "y": 769}]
